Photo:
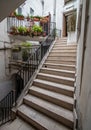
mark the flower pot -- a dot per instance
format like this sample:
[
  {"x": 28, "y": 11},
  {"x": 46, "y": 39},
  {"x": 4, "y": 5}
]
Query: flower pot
[{"x": 44, "y": 34}]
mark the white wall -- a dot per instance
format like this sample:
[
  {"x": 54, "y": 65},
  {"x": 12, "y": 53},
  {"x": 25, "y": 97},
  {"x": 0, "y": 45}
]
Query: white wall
[
  {"x": 5, "y": 83},
  {"x": 49, "y": 7},
  {"x": 70, "y": 6},
  {"x": 84, "y": 96},
  {"x": 35, "y": 5},
  {"x": 71, "y": 37},
  {"x": 3, "y": 32},
  {"x": 4, "y": 38}
]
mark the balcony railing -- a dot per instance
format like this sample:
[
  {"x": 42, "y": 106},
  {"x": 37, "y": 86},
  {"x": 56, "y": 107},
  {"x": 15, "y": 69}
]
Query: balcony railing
[
  {"x": 14, "y": 22},
  {"x": 6, "y": 105},
  {"x": 22, "y": 78},
  {"x": 26, "y": 71}
]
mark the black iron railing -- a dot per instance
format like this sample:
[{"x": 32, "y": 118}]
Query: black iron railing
[
  {"x": 14, "y": 22},
  {"x": 6, "y": 105},
  {"x": 27, "y": 70},
  {"x": 22, "y": 78}
]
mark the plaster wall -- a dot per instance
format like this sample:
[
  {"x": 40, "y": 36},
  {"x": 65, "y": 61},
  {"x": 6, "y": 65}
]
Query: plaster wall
[
  {"x": 35, "y": 5},
  {"x": 83, "y": 92},
  {"x": 49, "y": 7},
  {"x": 5, "y": 77}
]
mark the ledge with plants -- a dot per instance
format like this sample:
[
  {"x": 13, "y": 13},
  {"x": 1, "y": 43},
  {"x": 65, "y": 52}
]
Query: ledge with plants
[
  {"x": 27, "y": 31},
  {"x": 34, "y": 33}
]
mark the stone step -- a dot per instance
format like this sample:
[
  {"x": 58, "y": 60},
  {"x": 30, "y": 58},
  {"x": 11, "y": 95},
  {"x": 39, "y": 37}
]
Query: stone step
[
  {"x": 17, "y": 124},
  {"x": 38, "y": 119},
  {"x": 59, "y": 88},
  {"x": 62, "y": 39},
  {"x": 56, "y": 79},
  {"x": 61, "y": 62},
  {"x": 66, "y": 54},
  {"x": 65, "y": 58},
  {"x": 56, "y": 112},
  {"x": 60, "y": 66},
  {"x": 59, "y": 45},
  {"x": 58, "y": 72},
  {"x": 67, "y": 51},
  {"x": 56, "y": 98},
  {"x": 64, "y": 48}
]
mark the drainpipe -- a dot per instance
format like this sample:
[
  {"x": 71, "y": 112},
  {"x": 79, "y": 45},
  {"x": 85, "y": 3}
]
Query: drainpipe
[
  {"x": 42, "y": 2},
  {"x": 84, "y": 39},
  {"x": 54, "y": 18}
]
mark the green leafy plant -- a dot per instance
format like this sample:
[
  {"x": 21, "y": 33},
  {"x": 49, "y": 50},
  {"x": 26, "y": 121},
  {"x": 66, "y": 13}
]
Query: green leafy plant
[
  {"x": 25, "y": 50},
  {"x": 37, "y": 29},
  {"x": 19, "y": 16},
  {"x": 13, "y": 30},
  {"x": 22, "y": 30},
  {"x": 26, "y": 44}
]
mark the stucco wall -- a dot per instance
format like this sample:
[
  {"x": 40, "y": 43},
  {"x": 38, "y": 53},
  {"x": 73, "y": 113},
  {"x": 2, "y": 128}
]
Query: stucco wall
[
  {"x": 49, "y": 7},
  {"x": 84, "y": 96},
  {"x": 35, "y": 5},
  {"x": 5, "y": 78},
  {"x": 4, "y": 54}
]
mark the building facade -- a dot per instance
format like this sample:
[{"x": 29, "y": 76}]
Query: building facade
[
  {"x": 28, "y": 8},
  {"x": 31, "y": 8},
  {"x": 65, "y": 15}
]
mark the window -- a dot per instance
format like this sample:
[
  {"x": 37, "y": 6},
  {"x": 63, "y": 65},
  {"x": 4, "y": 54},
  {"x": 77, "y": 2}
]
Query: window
[
  {"x": 31, "y": 11},
  {"x": 19, "y": 10}
]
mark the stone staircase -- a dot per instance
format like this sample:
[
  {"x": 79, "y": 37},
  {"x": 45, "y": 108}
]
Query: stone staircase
[{"x": 49, "y": 103}]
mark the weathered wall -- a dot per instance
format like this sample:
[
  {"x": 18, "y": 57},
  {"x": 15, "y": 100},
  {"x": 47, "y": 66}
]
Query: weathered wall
[
  {"x": 4, "y": 54},
  {"x": 5, "y": 78},
  {"x": 49, "y": 7},
  {"x": 35, "y": 5},
  {"x": 84, "y": 96}
]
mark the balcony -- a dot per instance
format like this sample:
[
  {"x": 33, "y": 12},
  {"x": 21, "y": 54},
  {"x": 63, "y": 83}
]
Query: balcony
[{"x": 34, "y": 28}]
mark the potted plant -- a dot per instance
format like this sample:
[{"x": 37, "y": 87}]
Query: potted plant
[
  {"x": 36, "y": 18},
  {"x": 25, "y": 50},
  {"x": 44, "y": 20},
  {"x": 44, "y": 33},
  {"x": 28, "y": 17},
  {"x": 22, "y": 30},
  {"x": 28, "y": 31},
  {"x": 12, "y": 14},
  {"x": 37, "y": 30},
  {"x": 34, "y": 30},
  {"x": 19, "y": 16},
  {"x": 13, "y": 30}
]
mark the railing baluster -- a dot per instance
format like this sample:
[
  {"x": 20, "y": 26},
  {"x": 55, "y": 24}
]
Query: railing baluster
[
  {"x": 25, "y": 73},
  {"x": 5, "y": 108}
]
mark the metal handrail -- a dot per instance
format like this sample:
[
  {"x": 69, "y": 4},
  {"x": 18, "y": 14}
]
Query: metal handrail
[
  {"x": 28, "y": 68},
  {"x": 6, "y": 105}
]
